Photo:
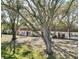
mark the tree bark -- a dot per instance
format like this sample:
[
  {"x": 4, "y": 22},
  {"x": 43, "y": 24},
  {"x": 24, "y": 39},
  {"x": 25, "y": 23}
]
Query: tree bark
[
  {"x": 47, "y": 40},
  {"x": 13, "y": 40},
  {"x": 13, "y": 36},
  {"x": 69, "y": 33}
]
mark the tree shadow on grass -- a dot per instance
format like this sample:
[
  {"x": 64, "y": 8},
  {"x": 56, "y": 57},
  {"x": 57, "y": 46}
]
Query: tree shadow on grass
[{"x": 22, "y": 51}]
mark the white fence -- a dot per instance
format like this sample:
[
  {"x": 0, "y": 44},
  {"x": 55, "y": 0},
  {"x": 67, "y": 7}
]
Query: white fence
[{"x": 74, "y": 35}]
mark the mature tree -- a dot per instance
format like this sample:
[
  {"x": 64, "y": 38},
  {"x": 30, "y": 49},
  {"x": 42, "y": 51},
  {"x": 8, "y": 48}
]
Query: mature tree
[
  {"x": 43, "y": 12},
  {"x": 70, "y": 23},
  {"x": 71, "y": 18},
  {"x": 12, "y": 18}
]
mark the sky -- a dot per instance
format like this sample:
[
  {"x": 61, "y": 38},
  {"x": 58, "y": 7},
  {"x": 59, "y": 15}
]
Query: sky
[{"x": 67, "y": 0}]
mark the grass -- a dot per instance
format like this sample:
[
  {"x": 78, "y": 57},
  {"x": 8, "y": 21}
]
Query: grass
[
  {"x": 22, "y": 52},
  {"x": 35, "y": 49}
]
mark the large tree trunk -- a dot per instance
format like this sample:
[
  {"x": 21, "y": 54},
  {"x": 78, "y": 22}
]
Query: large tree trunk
[{"x": 47, "y": 40}]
